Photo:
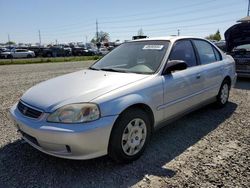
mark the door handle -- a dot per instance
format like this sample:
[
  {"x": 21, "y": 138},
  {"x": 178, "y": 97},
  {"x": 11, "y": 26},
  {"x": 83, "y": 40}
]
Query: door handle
[{"x": 198, "y": 76}]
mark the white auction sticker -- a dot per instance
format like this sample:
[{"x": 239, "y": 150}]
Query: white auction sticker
[{"x": 153, "y": 47}]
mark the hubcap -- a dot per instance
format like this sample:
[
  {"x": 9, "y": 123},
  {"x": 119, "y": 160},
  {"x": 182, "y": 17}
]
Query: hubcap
[
  {"x": 224, "y": 94},
  {"x": 133, "y": 137}
]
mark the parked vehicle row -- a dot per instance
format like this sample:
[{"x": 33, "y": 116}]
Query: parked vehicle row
[{"x": 52, "y": 51}]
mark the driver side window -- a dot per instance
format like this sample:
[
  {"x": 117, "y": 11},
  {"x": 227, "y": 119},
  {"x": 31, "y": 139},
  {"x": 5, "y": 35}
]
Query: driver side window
[{"x": 183, "y": 50}]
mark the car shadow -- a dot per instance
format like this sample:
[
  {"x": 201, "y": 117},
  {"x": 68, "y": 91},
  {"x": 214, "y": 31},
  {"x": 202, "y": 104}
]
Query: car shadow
[
  {"x": 21, "y": 165},
  {"x": 243, "y": 83}
]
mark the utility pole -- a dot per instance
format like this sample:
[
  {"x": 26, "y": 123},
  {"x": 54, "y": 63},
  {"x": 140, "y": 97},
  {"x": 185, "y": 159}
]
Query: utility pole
[
  {"x": 39, "y": 38},
  {"x": 86, "y": 39},
  {"x": 248, "y": 8},
  {"x": 9, "y": 40},
  {"x": 97, "y": 37},
  {"x": 178, "y": 32}
]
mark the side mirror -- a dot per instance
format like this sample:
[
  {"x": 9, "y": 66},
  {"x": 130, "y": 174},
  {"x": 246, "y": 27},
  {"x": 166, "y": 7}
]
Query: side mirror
[{"x": 174, "y": 65}]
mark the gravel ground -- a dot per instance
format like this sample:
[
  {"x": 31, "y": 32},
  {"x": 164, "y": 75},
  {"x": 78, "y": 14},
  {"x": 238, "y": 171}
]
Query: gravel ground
[{"x": 207, "y": 148}]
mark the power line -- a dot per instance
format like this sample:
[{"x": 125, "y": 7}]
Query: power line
[
  {"x": 173, "y": 9},
  {"x": 169, "y": 15},
  {"x": 171, "y": 22},
  {"x": 88, "y": 22},
  {"x": 79, "y": 30}
]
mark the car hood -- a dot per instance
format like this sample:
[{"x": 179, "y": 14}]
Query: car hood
[
  {"x": 238, "y": 34},
  {"x": 77, "y": 87}
]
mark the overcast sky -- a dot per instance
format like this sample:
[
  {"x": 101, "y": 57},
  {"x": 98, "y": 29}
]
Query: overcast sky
[{"x": 75, "y": 20}]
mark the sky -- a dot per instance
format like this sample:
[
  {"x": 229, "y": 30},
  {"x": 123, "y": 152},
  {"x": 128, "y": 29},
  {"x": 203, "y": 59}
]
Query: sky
[{"x": 75, "y": 20}]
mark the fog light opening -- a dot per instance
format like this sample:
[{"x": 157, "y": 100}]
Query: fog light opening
[{"x": 68, "y": 149}]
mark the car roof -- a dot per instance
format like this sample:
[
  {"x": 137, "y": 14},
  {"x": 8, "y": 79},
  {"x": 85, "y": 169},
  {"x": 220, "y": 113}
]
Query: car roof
[{"x": 168, "y": 38}]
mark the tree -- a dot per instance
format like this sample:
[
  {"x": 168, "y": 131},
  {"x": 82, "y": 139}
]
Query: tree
[
  {"x": 102, "y": 37},
  {"x": 10, "y": 43},
  {"x": 140, "y": 32},
  {"x": 215, "y": 36}
]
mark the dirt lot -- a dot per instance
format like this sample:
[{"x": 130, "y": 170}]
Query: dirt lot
[{"x": 208, "y": 148}]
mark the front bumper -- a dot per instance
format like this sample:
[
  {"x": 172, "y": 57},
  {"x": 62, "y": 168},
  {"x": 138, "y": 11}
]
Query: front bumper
[{"x": 77, "y": 141}]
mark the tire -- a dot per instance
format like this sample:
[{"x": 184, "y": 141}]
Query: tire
[
  {"x": 29, "y": 56},
  {"x": 130, "y": 135},
  {"x": 223, "y": 95},
  {"x": 9, "y": 57}
]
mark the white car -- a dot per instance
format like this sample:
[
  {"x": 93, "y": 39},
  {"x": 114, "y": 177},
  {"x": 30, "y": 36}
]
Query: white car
[
  {"x": 104, "y": 51},
  {"x": 114, "y": 106},
  {"x": 18, "y": 53}
]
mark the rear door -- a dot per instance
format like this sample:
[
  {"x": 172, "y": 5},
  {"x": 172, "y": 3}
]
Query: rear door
[
  {"x": 182, "y": 89},
  {"x": 212, "y": 65}
]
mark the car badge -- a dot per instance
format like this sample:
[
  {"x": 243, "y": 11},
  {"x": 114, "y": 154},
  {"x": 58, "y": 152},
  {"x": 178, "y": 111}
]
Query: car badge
[{"x": 25, "y": 110}]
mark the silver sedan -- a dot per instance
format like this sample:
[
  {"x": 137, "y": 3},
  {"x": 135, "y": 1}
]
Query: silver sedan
[{"x": 114, "y": 106}]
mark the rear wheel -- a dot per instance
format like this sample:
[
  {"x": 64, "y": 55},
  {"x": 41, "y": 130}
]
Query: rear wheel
[
  {"x": 130, "y": 135},
  {"x": 223, "y": 95}
]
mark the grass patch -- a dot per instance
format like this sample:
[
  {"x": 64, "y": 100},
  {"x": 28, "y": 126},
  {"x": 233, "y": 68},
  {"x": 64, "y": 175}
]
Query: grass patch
[{"x": 47, "y": 60}]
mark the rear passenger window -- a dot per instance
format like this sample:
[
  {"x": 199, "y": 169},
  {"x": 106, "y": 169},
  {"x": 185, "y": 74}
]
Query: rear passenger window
[
  {"x": 217, "y": 54},
  {"x": 183, "y": 50},
  {"x": 205, "y": 51}
]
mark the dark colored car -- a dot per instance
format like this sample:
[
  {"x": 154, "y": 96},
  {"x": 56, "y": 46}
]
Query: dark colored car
[
  {"x": 221, "y": 44},
  {"x": 238, "y": 46},
  {"x": 56, "y": 51},
  {"x": 37, "y": 50},
  {"x": 80, "y": 51}
]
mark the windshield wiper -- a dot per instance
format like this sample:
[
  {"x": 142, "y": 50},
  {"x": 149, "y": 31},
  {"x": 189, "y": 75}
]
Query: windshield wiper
[
  {"x": 112, "y": 70},
  {"x": 92, "y": 68}
]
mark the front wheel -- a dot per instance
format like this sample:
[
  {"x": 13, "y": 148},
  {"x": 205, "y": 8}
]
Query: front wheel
[
  {"x": 223, "y": 95},
  {"x": 130, "y": 135}
]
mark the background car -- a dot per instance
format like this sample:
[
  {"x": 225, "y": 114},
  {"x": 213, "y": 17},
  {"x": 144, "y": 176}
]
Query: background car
[
  {"x": 103, "y": 51},
  {"x": 18, "y": 53},
  {"x": 56, "y": 51},
  {"x": 238, "y": 46},
  {"x": 36, "y": 49},
  {"x": 221, "y": 44},
  {"x": 81, "y": 51}
]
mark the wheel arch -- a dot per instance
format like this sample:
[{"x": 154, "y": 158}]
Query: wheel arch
[
  {"x": 227, "y": 79},
  {"x": 144, "y": 107}
]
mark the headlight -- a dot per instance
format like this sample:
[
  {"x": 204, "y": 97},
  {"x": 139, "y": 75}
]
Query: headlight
[{"x": 75, "y": 113}]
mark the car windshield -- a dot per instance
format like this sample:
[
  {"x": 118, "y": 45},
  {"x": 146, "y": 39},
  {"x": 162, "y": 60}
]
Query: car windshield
[{"x": 142, "y": 57}]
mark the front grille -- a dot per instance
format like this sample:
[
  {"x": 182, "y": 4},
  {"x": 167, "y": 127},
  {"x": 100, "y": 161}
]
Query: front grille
[{"x": 28, "y": 111}]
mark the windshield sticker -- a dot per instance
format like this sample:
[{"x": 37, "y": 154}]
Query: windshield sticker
[{"x": 153, "y": 47}]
